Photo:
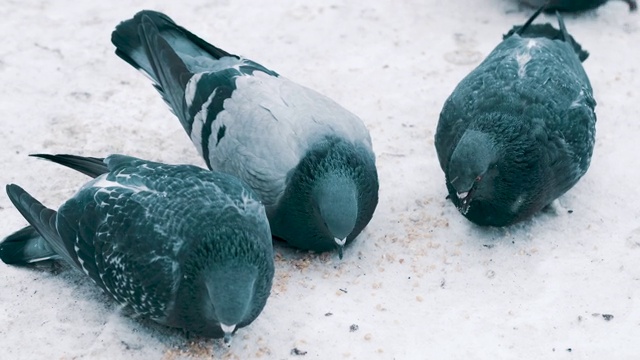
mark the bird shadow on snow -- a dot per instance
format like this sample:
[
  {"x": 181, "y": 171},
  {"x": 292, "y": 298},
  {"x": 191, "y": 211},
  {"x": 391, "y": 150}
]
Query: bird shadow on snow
[
  {"x": 110, "y": 318},
  {"x": 283, "y": 251},
  {"x": 174, "y": 341},
  {"x": 490, "y": 236}
]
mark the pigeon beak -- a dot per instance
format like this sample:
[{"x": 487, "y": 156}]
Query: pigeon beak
[
  {"x": 465, "y": 201},
  {"x": 464, "y": 208},
  {"x": 228, "y": 333},
  {"x": 340, "y": 243}
]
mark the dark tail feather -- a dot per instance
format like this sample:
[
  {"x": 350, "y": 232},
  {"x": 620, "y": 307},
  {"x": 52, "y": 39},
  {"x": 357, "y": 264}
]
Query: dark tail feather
[
  {"x": 170, "y": 71},
  {"x": 529, "y": 30},
  {"x": 563, "y": 29},
  {"x": 90, "y": 166},
  {"x": 41, "y": 218},
  {"x": 582, "y": 54},
  {"x": 169, "y": 54},
  {"x": 25, "y": 246},
  {"x": 130, "y": 49},
  {"x": 535, "y": 15}
]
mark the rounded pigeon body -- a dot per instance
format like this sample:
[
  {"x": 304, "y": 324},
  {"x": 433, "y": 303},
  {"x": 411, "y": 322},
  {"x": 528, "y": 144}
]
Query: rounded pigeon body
[
  {"x": 184, "y": 246},
  {"x": 519, "y": 130},
  {"x": 573, "y": 5},
  {"x": 309, "y": 159}
]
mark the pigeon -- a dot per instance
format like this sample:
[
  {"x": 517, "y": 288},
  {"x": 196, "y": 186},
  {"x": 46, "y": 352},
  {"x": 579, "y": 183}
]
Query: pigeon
[
  {"x": 184, "y": 246},
  {"x": 573, "y": 5},
  {"x": 310, "y": 160},
  {"x": 519, "y": 130}
]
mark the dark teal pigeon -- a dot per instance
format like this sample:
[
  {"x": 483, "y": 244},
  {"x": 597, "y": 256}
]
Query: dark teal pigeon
[
  {"x": 519, "y": 130},
  {"x": 310, "y": 160},
  {"x": 573, "y": 5},
  {"x": 184, "y": 246}
]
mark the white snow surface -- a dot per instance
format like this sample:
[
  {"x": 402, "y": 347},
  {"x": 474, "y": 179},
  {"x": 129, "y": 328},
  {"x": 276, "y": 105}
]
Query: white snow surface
[{"x": 421, "y": 282}]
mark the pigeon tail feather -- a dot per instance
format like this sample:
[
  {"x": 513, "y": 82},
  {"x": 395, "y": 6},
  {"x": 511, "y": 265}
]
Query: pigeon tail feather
[
  {"x": 582, "y": 54},
  {"x": 535, "y": 15},
  {"x": 170, "y": 71},
  {"x": 169, "y": 54},
  {"x": 25, "y": 246},
  {"x": 190, "y": 48},
  {"x": 529, "y": 30},
  {"x": 42, "y": 219},
  {"x": 90, "y": 166}
]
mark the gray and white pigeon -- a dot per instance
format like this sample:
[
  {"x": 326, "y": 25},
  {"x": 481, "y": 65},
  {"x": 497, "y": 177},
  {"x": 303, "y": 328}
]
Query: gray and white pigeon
[
  {"x": 573, "y": 5},
  {"x": 310, "y": 160},
  {"x": 519, "y": 130},
  {"x": 184, "y": 246}
]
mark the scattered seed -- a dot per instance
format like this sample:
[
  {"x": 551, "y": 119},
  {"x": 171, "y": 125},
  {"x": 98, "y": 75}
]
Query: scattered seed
[{"x": 296, "y": 351}]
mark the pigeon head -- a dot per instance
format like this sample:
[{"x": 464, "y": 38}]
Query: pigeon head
[
  {"x": 230, "y": 291},
  {"x": 329, "y": 198},
  {"x": 470, "y": 171},
  {"x": 336, "y": 202},
  {"x": 226, "y": 279},
  {"x": 490, "y": 181}
]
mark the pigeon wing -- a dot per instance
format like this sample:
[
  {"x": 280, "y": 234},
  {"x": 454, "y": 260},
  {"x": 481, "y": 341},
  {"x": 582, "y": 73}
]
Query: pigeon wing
[{"x": 120, "y": 246}]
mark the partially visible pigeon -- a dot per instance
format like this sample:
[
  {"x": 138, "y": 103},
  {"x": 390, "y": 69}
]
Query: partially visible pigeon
[
  {"x": 573, "y": 5},
  {"x": 184, "y": 246},
  {"x": 309, "y": 159},
  {"x": 519, "y": 130}
]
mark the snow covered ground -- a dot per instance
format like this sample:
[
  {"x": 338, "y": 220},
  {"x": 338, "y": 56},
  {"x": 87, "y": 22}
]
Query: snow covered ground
[{"x": 421, "y": 282}]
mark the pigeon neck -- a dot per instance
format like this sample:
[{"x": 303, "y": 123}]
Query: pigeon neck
[
  {"x": 475, "y": 153},
  {"x": 335, "y": 196}
]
